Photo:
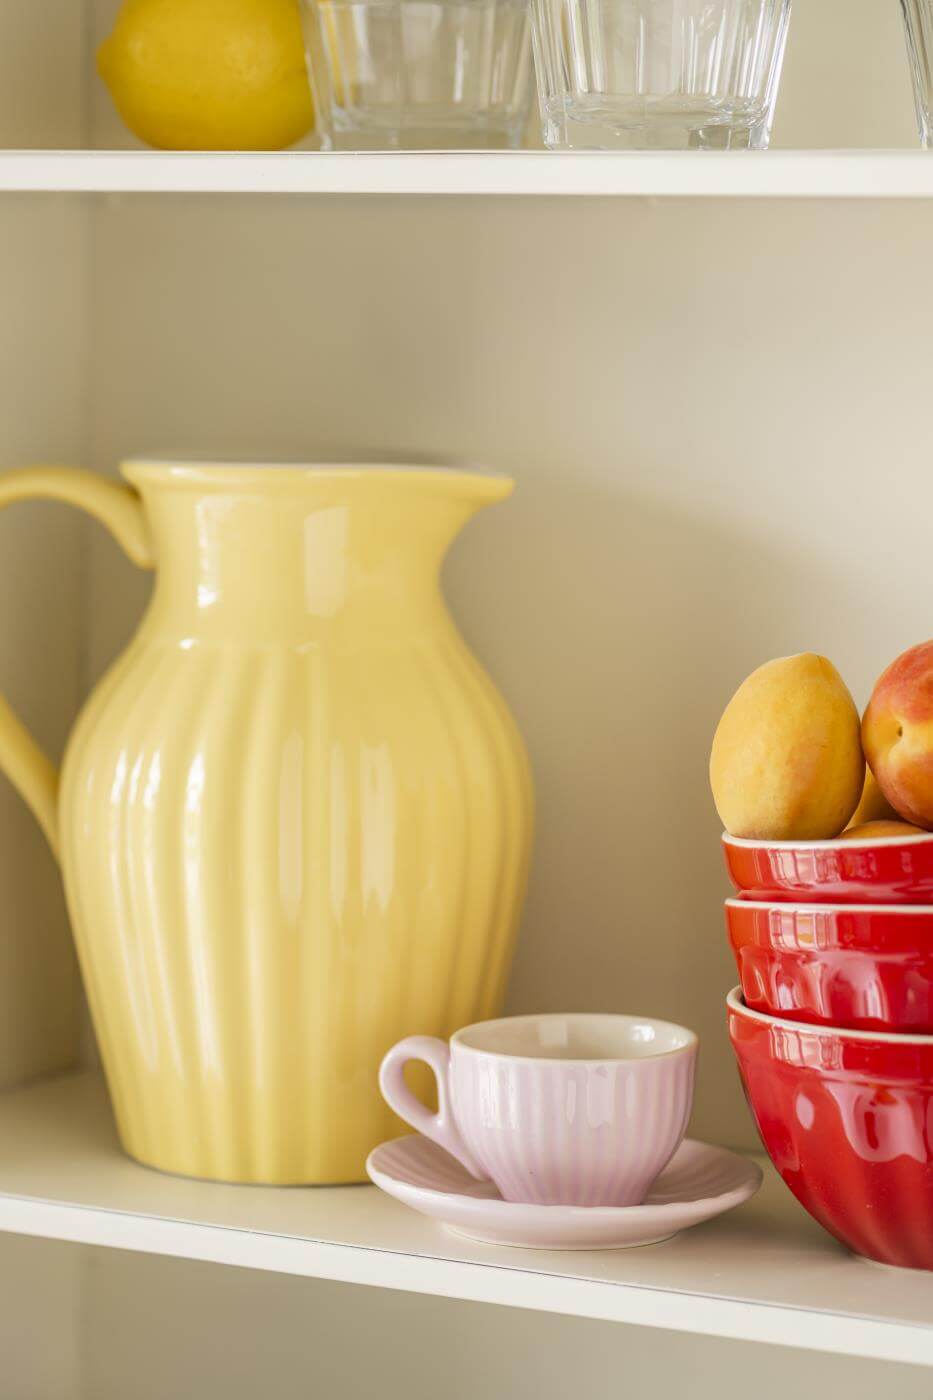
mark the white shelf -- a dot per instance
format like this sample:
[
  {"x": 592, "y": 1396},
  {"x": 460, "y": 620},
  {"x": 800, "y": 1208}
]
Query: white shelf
[
  {"x": 774, "y": 174},
  {"x": 763, "y": 1273}
]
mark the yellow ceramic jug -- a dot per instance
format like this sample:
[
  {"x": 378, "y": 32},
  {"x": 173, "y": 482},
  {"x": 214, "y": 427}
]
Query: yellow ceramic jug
[{"x": 294, "y": 819}]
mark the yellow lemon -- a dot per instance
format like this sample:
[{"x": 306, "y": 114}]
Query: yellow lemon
[{"x": 209, "y": 75}]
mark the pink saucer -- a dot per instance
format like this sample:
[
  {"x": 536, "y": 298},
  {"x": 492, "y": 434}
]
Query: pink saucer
[{"x": 699, "y": 1183}]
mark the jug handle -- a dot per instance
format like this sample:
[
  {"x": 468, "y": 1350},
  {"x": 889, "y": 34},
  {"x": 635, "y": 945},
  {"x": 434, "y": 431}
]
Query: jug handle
[{"x": 120, "y": 509}]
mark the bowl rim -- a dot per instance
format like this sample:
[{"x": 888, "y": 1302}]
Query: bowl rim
[
  {"x": 836, "y": 843},
  {"x": 828, "y": 907},
  {"x": 736, "y": 1004}
]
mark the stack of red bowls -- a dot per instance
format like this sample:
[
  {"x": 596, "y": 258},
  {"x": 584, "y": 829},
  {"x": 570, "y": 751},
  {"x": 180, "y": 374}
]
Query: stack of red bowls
[{"x": 833, "y": 1030}]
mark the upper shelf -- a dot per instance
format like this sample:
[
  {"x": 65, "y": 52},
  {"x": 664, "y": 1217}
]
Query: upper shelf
[
  {"x": 775, "y": 174},
  {"x": 763, "y": 1273}
]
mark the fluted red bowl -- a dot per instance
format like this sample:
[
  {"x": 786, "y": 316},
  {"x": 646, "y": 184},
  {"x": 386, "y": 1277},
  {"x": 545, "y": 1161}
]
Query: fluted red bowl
[
  {"x": 854, "y": 966},
  {"x": 890, "y": 870},
  {"x": 847, "y": 1119}
]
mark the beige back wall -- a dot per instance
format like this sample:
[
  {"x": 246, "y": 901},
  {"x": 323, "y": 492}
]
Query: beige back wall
[
  {"x": 717, "y": 416},
  {"x": 715, "y": 412},
  {"x": 45, "y": 93},
  {"x": 44, "y": 296}
]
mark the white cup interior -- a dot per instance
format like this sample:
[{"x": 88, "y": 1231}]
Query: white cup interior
[{"x": 577, "y": 1036}]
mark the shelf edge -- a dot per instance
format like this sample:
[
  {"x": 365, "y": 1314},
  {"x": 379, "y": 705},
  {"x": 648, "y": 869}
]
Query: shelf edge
[
  {"x": 652, "y": 175},
  {"x": 470, "y": 1282}
]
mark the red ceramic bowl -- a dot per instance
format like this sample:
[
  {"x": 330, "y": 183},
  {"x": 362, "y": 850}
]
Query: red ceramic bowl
[
  {"x": 893, "y": 870},
  {"x": 847, "y": 1119},
  {"x": 854, "y": 966}
]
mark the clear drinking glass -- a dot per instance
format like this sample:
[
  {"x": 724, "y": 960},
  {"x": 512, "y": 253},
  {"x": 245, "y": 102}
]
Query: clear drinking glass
[
  {"x": 918, "y": 24},
  {"x": 419, "y": 74},
  {"x": 658, "y": 74}
]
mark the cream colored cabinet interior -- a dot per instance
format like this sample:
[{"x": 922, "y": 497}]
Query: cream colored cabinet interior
[{"x": 717, "y": 411}]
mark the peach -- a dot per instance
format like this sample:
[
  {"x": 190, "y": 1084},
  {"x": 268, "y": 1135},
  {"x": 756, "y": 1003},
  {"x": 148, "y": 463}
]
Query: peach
[
  {"x": 787, "y": 762},
  {"x": 881, "y": 831},
  {"x": 897, "y": 734}
]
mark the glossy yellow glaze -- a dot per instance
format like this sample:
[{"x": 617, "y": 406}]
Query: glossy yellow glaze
[{"x": 295, "y": 817}]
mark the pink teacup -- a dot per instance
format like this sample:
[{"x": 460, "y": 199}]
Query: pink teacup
[{"x": 582, "y": 1110}]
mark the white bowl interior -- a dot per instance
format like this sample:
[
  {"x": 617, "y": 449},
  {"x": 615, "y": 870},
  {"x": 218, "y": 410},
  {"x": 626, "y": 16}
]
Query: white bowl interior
[
  {"x": 787, "y": 906},
  {"x": 736, "y": 1002},
  {"x": 576, "y": 1036},
  {"x": 835, "y": 844}
]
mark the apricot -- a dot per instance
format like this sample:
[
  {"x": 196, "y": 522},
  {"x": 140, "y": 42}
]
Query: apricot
[
  {"x": 878, "y": 831},
  {"x": 873, "y": 806},
  {"x": 786, "y": 762}
]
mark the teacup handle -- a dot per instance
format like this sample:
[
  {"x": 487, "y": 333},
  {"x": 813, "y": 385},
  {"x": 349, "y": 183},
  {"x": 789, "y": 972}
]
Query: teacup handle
[{"x": 439, "y": 1127}]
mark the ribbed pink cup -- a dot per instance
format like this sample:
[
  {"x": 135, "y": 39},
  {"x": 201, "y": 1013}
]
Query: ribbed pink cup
[{"x": 581, "y": 1110}]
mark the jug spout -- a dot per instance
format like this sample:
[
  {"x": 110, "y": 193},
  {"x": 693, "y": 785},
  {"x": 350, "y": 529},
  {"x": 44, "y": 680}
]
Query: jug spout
[
  {"x": 442, "y": 501},
  {"x": 281, "y": 549},
  {"x": 481, "y": 488}
]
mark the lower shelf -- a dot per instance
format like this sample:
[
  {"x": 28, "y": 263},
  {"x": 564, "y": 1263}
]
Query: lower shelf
[{"x": 763, "y": 1273}]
